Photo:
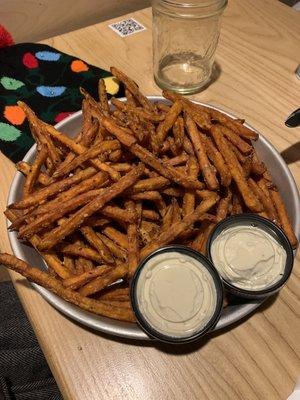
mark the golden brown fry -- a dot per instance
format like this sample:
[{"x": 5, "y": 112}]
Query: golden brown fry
[
  {"x": 44, "y": 279},
  {"x": 77, "y": 250},
  {"x": 188, "y": 204},
  {"x": 174, "y": 192},
  {"x": 126, "y": 108},
  {"x": 148, "y": 158},
  {"x": 46, "y": 219},
  {"x": 25, "y": 168},
  {"x": 267, "y": 204},
  {"x": 178, "y": 132},
  {"x": 178, "y": 160},
  {"x": 167, "y": 236},
  {"x": 41, "y": 195},
  {"x": 118, "y": 237},
  {"x": 77, "y": 219},
  {"x": 205, "y": 166},
  {"x": 237, "y": 207},
  {"x": 34, "y": 171},
  {"x": 89, "y": 154},
  {"x": 176, "y": 217},
  {"x": 115, "y": 294},
  {"x": 78, "y": 281},
  {"x": 130, "y": 98},
  {"x": 133, "y": 88},
  {"x": 94, "y": 240},
  {"x": 257, "y": 167},
  {"x": 117, "y": 214},
  {"x": 101, "y": 282},
  {"x": 217, "y": 160},
  {"x": 283, "y": 217},
  {"x": 243, "y": 146},
  {"x": 148, "y": 231},
  {"x": 69, "y": 263},
  {"x": 115, "y": 156},
  {"x": 103, "y": 97},
  {"x": 166, "y": 125},
  {"x": 152, "y": 215},
  {"x": 150, "y": 184},
  {"x": 133, "y": 240},
  {"x": 113, "y": 248},
  {"x": 249, "y": 197}
]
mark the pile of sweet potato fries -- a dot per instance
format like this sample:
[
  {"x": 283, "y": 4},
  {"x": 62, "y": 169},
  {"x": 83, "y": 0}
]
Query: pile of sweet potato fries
[{"x": 138, "y": 176}]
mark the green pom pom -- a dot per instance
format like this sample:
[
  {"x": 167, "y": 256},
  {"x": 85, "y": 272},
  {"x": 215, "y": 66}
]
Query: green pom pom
[
  {"x": 10, "y": 83},
  {"x": 9, "y": 133}
]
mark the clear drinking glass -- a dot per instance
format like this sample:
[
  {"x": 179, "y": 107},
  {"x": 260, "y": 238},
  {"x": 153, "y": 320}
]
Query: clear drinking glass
[{"x": 185, "y": 38}]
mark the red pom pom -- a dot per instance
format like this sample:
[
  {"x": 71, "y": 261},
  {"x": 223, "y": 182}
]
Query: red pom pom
[
  {"x": 30, "y": 61},
  {"x": 5, "y": 37}
]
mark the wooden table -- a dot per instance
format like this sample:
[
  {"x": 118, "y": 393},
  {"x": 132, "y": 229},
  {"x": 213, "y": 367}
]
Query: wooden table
[{"x": 257, "y": 358}]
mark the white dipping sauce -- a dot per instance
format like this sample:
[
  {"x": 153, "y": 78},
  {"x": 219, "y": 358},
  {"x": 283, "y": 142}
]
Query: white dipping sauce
[
  {"x": 248, "y": 257},
  {"x": 176, "y": 294}
]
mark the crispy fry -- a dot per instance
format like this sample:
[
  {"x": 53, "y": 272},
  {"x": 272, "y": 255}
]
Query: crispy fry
[
  {"x": 150, "y": 184},
  {"x": 103, "y": 97},
  {"x": 178, "y": 132},
  {"x": 78, "y": 281},
  {"x": 44, "y": 279},
  {"x": 243, "y": 146},
  {"x": 178, "y": 160},
  {"x": 94, "y": 240},
  {"x": 59, "y": 233},
  {"x": 118, "y": 237},
  {"x": 166, "y": 125},
  {"x": 176, "y": 229},
  {"x": 41, "y": 195},
  {"x": 77, "y": 250},
  {"x": 126, "y": 108},
  {"x": 150, "y": 214},
  {"x": 25, "y": 168},
  {"x": 113, "y": 248},
  {"x": 267, "y": 204},
  {"x": 232, "y": 162},
  {"x": 89, "y": 154},
  {"x": 69, "y": 263},
  {"x": 283, "y": 217},
  {"x": 205, "y": 166},
  {"x": 34, "y": 171},
  {"x": 133, "y": 240},
  {"x": 257, "y": 167},
  {"x": 188, "y": 204},
  {"x": 217, "y": 160},
  {"x": 101, "y": 282},
  {"x": 133, "y": 88}
]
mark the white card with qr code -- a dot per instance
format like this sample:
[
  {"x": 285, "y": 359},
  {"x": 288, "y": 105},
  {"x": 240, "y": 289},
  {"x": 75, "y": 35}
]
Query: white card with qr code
[{"x": 127, "y": 27}]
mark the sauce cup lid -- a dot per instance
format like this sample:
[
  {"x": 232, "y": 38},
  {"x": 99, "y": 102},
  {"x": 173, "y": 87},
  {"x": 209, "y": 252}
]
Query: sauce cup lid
[
  {"x": 164, "y": 313},
  {"x": 271, "y": 228}
]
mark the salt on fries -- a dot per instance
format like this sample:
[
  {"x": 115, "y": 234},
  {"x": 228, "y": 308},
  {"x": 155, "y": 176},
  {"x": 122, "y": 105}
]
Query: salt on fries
[{"x": 138, "y": 176}]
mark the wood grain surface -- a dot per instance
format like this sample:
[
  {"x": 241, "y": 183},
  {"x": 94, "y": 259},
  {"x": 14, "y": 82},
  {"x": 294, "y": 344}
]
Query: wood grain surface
[
  {"x": 257, "y": 358},
  {"x": 33, "y": 20}
]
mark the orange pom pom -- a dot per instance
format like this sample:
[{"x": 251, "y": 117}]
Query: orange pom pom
[
  {"x": 14, "y": 114},
  {"x": 79, "y": 66}
]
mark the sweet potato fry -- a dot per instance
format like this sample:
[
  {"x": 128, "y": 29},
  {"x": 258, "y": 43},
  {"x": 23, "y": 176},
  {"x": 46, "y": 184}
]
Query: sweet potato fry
[
  {"x": 249, "y": 197},
  {"x": 152, "y": 215},
  {"x": 59, "y": 233},
  {"x": 103, "y": 97},
  {"x": 77, "y": 250},
  {"x": 102, "y": 281},
  {"x": 44, "y": 279},
  {"x": 243, "y": 146},
  {"x": 166, "y": 125},
  {"x": 205, "y": 166},
  {"x": 117, "y": 251},
  {"x": 133, "y": 88},
  {"x": 46, "y": 219},
  {"x": 217, "y": 160},
  {"x": 94, "y": 240},
  {"x": 283, "y": 217},
  {"x": 78, "y": 281},
  {"x": 91, "y": 153},
  {"x": 117, "y": 214},
  {"x": 178, "y": 160},
  {"x": 69, "y": 263},
  {"x": 25, "y": 168},
  {"x": 188, "y": 204},
  {"x": 126, "y": 108},
  {"x": 34, "y": 171},
  {"x": 133, "y": 240},
  {"x": 41, "y": 195},
  {"x": 167, "y": 236},
  {"x": 257, "y": 167},
  {"x": 178, "y": 132},
  {"x": 118, "y": 237},
  {"x": 267, "y": 204},
  {"x": 150, "y": 184}
]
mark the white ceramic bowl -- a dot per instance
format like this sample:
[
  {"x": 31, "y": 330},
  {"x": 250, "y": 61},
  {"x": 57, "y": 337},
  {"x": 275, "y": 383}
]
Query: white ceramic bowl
[{"x": 71, "y": 125}]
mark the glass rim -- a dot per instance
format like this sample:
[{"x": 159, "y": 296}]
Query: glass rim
[{"x": 187, "y": 4}]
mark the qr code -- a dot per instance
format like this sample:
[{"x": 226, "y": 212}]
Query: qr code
[{"x": 127, "y": 27}]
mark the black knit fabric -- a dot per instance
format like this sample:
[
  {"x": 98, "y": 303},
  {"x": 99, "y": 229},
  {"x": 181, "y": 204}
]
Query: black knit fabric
[{"x": 24, "y": 373}]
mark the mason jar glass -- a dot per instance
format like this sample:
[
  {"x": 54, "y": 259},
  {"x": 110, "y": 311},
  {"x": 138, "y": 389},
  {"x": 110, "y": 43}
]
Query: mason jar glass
[{"x": 185, "y": 38}]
